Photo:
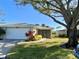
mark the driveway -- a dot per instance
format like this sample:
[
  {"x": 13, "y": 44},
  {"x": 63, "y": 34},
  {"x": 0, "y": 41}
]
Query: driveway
[{"x": 5, "y": 46}]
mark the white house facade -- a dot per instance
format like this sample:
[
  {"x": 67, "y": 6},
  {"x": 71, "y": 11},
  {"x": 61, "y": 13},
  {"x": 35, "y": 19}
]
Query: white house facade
[
  {"x": 63, "y": 31},
  {"x": 18, "y": 31}
]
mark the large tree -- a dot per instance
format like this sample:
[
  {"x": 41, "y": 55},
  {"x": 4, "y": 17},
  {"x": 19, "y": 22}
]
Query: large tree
[{"x": 67, "y": 9}]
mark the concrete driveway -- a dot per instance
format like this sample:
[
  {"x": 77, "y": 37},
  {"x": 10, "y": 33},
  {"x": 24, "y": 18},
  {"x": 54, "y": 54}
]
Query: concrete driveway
[{"x": 5, "y": 46}]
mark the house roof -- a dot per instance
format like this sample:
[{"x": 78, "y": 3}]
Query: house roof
[
  {"x": 41, "y": 27},
  {"x": 63, "y": 30},
  {"x": 24, "y": 25}
]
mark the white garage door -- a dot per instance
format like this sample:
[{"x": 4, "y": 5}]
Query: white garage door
[{"x": 16, "y": 33}]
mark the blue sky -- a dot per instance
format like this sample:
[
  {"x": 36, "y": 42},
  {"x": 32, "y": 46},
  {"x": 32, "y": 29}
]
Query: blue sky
[{"x": 13, "y": 13}]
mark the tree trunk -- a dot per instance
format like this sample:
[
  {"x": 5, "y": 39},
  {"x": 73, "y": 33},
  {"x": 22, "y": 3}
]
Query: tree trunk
[{"x": 72, "y": 35}]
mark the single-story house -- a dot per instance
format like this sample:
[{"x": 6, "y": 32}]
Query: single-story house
[
  {"x": 17, "y": 31},
  {"x": 64, "y": 31},
  {"x": 61, "y": 32}
]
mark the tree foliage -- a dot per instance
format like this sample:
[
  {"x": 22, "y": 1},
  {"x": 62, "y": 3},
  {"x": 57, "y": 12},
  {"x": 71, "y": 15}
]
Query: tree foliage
[{"x": 68, "y": 9}]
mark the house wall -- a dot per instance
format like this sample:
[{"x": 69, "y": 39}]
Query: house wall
[
  {"x": 19, "y": 32},
  {"x": 61, "y": 32}
]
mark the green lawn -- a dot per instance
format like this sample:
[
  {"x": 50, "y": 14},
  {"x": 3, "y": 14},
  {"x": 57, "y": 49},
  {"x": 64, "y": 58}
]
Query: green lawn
[{"x": 49, "y": 49}]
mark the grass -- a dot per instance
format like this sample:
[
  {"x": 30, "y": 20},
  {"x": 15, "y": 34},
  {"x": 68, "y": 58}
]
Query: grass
[{"x": 49, "y": 49}]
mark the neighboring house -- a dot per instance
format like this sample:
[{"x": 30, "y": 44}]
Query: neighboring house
[
  {"x": 61, "y": 32},
  {"x": 18, "y": 31},
  {"x": 64, "y": 31}
]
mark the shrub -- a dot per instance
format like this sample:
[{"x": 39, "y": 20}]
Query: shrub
[
  {"x": 63, "y": 35},
  {"x": 2, "y": 32},
  {"x": 38, "y": 37}
]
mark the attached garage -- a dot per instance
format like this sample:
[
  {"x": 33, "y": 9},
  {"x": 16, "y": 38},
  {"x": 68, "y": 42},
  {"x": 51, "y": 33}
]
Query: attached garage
[{"x": 16, "y": 33}]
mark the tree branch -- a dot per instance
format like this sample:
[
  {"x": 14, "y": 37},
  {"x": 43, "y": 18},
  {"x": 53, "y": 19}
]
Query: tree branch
[
  {"x": 78, "y": 3},
  {"x": 57, "y": 16},
  {"x": 65, "y": 12},
  {"x": 52, "y": 5},
  {"x": 77, "y": 23},
  {"x": 52, "y": 18},
  {"x": 57, "y": 21},
  {"x": 51, "y": 9}
]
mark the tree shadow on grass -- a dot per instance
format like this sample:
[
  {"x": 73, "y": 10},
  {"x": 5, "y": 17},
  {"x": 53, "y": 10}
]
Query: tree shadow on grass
[{"x": 39, "y": 52}]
